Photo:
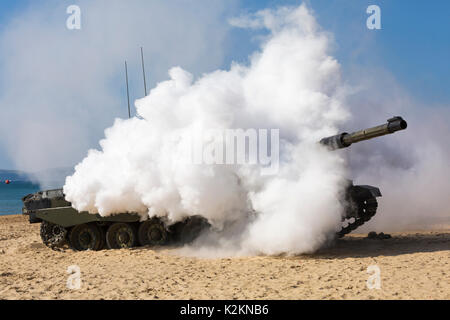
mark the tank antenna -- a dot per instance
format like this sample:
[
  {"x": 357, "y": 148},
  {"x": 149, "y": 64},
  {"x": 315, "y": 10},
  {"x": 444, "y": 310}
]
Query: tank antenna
[
  {"x": 143, "y": 70},
  {"x": 128, "y": 91}
]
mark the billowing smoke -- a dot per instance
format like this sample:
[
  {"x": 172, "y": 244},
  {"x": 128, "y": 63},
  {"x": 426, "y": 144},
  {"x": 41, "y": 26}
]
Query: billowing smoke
[{"x": 291, "y": 84}]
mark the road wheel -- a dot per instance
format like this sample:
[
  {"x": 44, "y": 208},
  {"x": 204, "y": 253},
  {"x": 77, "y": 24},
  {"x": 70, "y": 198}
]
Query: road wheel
[
  {"x": 102, "y": 238},
  {"x": 121, "y": 235},
  {"x": 86, "y": 237},
  {"x": 53, "y": 235},
  {"x": 153, "y": 232},
  {"x": 192, "y": 228}
]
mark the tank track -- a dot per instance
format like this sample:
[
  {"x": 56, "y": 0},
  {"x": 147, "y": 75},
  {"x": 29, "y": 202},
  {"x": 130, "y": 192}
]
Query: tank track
[
  {"x": 103, "y": 236},
  {"x": 364, "y": 208},
  {"x": 53, "y": 236}
]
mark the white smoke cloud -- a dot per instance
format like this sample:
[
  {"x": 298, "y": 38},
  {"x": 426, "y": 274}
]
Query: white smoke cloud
[{"x": 292, "y": 84}]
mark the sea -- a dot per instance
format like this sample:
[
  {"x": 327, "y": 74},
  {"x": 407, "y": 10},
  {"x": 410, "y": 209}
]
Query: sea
[{"x": 11, "y": 195}]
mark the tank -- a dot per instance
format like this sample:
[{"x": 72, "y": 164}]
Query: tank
[{"x": 61, "y": 224}]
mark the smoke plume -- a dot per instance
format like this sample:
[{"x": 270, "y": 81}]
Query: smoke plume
[{"x": 291, "y": 84}]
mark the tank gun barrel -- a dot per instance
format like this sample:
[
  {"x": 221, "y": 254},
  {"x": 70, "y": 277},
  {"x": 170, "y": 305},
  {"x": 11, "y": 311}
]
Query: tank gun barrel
[{"x": 344, "y": 140}]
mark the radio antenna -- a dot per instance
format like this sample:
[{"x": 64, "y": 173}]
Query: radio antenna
[
  {"x": 143, "y": 70},
  {"x": 128, "y": 90}
]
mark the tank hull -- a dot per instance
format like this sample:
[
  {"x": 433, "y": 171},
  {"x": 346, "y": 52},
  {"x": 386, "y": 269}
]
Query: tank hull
[{"x": 62, "y": 224}]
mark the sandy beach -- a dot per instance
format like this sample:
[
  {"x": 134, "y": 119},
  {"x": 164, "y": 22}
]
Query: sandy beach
[{"x": 413, "y": 265}]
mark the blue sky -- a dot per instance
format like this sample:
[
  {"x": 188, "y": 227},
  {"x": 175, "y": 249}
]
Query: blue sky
[{"x": 413, "y": 45}]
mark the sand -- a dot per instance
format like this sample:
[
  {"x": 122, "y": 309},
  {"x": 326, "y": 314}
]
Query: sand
[{"x": 413, "y": 265}]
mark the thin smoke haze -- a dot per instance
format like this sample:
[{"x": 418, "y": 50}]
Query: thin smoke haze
[{"x": 60, "y": 88}]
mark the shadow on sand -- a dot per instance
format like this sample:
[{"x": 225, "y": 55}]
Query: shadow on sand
[{"x": 359, "y": 247}]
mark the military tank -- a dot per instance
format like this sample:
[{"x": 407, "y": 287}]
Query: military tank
[{"x": 61, "y": 224}]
